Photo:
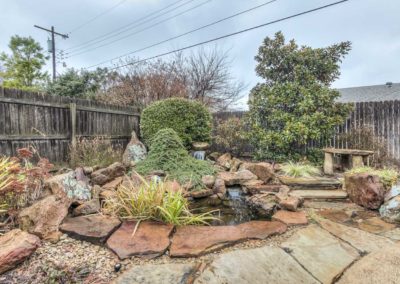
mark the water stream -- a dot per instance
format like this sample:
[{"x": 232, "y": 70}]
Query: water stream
[{"x": 199, "y": 155}]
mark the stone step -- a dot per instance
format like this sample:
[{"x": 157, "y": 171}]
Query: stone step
[
  {"x": 319, "y": 194},
  {"x": 313, "y": 182}
]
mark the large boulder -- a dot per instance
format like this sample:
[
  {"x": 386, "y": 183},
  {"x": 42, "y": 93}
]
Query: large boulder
[
  {"x": 135, "y": 151},
  {"x": 264, "y": 171},
  {"x": 15, "y": 247},
  {"x": 390, "y": 210},
  {"x": 238, "y": 178},
  {"x": 365, "y": 190},
  {"x": 74, "y": 184},
  {"x": 219, "y": 186},
  {"x": 45, "y": 216},
  {"x": 225, "y": 161},
  {"x": 264, "y": 204},
  {"x": 105, "y": 175}
]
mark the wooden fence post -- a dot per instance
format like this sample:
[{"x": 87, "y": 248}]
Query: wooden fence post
[{"x": 72, "y": 109}]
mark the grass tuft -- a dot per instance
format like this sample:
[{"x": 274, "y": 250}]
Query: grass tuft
[{"x": 299, "y": 170}]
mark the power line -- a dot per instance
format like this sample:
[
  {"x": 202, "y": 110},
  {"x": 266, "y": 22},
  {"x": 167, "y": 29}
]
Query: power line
[
  {"x": 142, "y": 30},
  {"x": 127, "y": 26},
  {"x": 96, "y": 17},
  {"x": 186, "y": 33},
  {"x": 231, "y": 34}
]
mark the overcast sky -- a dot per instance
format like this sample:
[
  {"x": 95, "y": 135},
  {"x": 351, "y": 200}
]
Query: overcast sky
[{"x": 373, "y": 27}]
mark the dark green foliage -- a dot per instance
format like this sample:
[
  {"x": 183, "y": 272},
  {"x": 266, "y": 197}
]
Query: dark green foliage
[
  {"x": 295, "y": 104},
  {"x": 190, "y": 120},
  {"x": 167, "y": 153},
  {"x": 74, "y": 83}
]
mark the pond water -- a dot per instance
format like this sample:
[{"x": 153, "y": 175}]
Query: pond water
[{"x": 231, "y": 211}]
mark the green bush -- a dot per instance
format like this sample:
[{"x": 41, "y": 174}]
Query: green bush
[
  {"x": 191, "y": 120},
  {"x": 231, "y": 135},
  {"x": 167, "y": 153}
]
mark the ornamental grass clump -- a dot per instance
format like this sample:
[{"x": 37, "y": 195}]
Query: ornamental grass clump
[
  {"x": 388, "y": 176},
  {"x": 167, "y": 153},
  {"x": 155, "y": 201},
  {"x": 299, "y": 170}
]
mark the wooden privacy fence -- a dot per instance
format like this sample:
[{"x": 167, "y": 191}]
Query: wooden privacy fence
[
  {"x": 51, "y": 123},
  {"x": 383, "y": 118}
]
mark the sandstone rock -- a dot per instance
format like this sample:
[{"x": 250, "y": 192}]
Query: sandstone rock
[
  {"x": 237, "y": 178},
  {"x": 168, "y": 273},
  {"x": 15, "y": 247},
  {"x": 44, "y": 217},
  {"x": 254, "y": 188},
  {"x": 375, "y": 225},
  {"x": 225, "y": 161},
  {"x": 112, "y": 185},
  {"x": 260, "y": 265},
  {"x": 208, "y": 181},
  {"x": 263, "y": 204},
  {"x": 363, "y": 241},
  {"x": 89, "y": 207},
  {"x": 88, "y": 170},
  {"x": 107, "y": 194},
  {"x": 321, "y": 254},
  {"x": 214, "y": 156},
  {"x": 311, "y": 182},
  {"x": 200, "y": 146},
  {"x": 264, "y": 171},
  {"x": 191, "y": 241},
  {"x": 219, "y": 186},
  {"x": 173, "y": 186},
  {"x": 320, "y": 194},
  {"x": 201, "y": 193},
  {"x": 365, "y": 190},
  {"x": 390, "y": 210},
  {"x": 290, "y": 203},
  {"x": 134, "y": 152},
  {"x": 290, "y": 218},
  {"x": 249, "y": 185},
  {"x": 235, "y": 164},
  {"x": 105, "y": 175},
  {"x": 150, "y": 240},
  {"x": 93, "y": 228},
  {"x": 381, "y": 266}
]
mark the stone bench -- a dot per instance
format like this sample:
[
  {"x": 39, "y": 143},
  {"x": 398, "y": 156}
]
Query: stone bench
[{"x": 349, "y": 158}]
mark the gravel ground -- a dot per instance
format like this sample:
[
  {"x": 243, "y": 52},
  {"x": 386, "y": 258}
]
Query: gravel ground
[{"x": 73, "y": 261}]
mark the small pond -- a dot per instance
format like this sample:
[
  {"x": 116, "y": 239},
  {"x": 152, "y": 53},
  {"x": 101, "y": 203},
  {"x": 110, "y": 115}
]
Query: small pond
[{"x": 231, "y": 211}]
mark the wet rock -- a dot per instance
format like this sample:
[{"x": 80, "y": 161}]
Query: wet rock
[
  {"x": 45, "y": 216},
  {"x": 390, "y": 210},
  {"x": 260, "y": 265},
  {"x": 200, "y": 146},
  {"x": 219, "y": 186},
  {"x": 237, "y": 178},
  {"x": 225, "y": 161},
  {"x": 321, "y": 254},
  {"x": 15, "y": 247},
  {"x": 108, "y": 174},
  {"x": 214, "y": 200},
  {"x": 264, "y": 171},
  {"x": 189, "y": 241},
  {"x": 264, "y": 204},
  {"x": 381, "y": 266},
  {"x": 365, "y": 190},
  {"x": 208, "y": 181},
  {"x": 150, "y": 240},
  {"x": 290, "y": 218},
  {"x": 93, "y": 228},
  {"x": 134, "y": 152},
  {"x": 162, "y": 273},
  {"x": 201, "y": 193}
]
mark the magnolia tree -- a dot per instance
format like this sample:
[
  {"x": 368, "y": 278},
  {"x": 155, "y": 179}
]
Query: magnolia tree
[{"x": 295, "y": 104}]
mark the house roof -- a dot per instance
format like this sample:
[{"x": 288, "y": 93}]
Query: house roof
[{"x": 370, "y": 93}]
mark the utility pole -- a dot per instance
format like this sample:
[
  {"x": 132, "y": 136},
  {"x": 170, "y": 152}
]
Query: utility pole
[{"x": 53, "y": 45}]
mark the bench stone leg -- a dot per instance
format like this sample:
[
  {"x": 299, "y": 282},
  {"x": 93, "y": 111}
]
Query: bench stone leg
[
  {"x": 328, "y": 164},
  {"x": 357, "y": 161}
]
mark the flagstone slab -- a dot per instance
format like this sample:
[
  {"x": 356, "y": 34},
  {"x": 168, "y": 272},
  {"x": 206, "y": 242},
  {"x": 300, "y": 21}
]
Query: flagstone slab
[
  {"x": 382, "y": 266},
  {"x": 393, "y": 234},
  {"x": 260, "y": 265},
  {"x": 151, "y": 239},
  {"x": 157, "y": 274},
  {"x": 291, "y": 218},
  {"x": 319, "y": 194},
  {"x": 361, "y": 240},
  {"x": 320, "y": 253},
  {"x": 189, "y": 241},
  {"x": 376, "y": 225},
  {"x": 339, "y": 205},
  {"x": 92, "y": 228}
]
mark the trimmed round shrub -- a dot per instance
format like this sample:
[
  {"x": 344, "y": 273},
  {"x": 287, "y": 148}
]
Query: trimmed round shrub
[
  {"x": 190, "y": 120},
  {"x": 167, "y": 153}
]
